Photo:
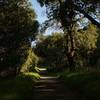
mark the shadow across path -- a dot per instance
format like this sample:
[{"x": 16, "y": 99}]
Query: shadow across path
[{"x": 52, "y": 88}]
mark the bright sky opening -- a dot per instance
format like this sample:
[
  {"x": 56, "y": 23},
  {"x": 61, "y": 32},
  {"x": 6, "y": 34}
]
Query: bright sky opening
[{"x": 40, "y": 11}]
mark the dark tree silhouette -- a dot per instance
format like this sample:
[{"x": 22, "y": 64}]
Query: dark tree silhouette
[{"x": 64, "y": 11}]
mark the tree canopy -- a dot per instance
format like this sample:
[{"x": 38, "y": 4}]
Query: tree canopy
[
  {"x": 17, "y": 24},
  {"x": 68, "y": 13},
  {"x": 52, "y": 49},
  {"x": 87, "y": 8}
]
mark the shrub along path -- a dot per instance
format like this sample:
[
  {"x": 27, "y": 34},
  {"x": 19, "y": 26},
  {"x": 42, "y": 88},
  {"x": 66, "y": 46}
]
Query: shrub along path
[{"x": 52, "y": 88}]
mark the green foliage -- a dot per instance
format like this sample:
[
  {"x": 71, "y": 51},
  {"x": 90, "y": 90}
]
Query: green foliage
[
  {"x": 32, "y": 75},
  {"x": 86, "y": 83},
  {"x": 63, "y": 10},
  {"x": 68, "y": 13},
  {"x": 85, "y": 41},
  {"x": 30, "y": 61},
  {"x": 96, "y": 52},
  {"x": 87, "y": 38},
  {"x": 17, "y": 24},
  {"x": 18, "y": 88},
  {"x": 51, "y": 50}
]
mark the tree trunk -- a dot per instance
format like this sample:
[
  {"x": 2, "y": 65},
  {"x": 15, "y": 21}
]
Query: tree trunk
[
  {"x": 69, "y": 40},
  {"x": 71, "y": 51},
  {"x": 71, "y": 62}
]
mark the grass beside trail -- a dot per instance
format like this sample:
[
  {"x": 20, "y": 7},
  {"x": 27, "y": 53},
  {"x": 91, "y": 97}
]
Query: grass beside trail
[
  {"x": 17, "y": 88},
  {"x": 87, "y": 83}
]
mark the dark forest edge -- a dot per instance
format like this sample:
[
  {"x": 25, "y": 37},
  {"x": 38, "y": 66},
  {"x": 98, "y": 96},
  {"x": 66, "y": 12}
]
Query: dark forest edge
[
  {"x": 86, "y": 83},
  {"x": 19, "y": 27},
  {"x": 19, "y": 87},
  {"x": 65, "y": 12},
  {"x": 16, "y": 54}
]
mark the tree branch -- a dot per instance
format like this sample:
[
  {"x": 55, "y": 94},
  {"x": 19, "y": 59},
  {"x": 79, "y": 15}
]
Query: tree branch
[{"x": 88, "y": 16}]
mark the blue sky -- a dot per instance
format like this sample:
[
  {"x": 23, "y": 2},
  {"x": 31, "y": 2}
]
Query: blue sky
[
  {"x": 40, "y": 11},
  {"x": 41, "y": 16}
]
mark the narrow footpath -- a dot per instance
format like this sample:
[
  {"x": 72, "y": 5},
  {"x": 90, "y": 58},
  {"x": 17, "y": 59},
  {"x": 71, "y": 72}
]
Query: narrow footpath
[{"x": 52, "y": 88}]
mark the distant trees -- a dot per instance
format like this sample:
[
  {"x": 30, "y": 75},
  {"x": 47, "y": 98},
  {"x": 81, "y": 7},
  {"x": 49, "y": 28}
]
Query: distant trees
[
  {"x": 95, "y": 55},
  {"x": 68, "y": 13},
  {"x": 86, "y": 43},
  {"x": 51, "y": 50},
  {"x": 17, "y": 24}
]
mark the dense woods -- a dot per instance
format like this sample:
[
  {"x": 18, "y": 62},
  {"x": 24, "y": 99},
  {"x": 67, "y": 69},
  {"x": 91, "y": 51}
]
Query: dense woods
[
  {"x": 72, "y": 53},
  {"x": 76, "y": 46},
  {"x": 52, "y": 49},
  {"x": 17, "y": 25},
  {"x": 70, "y": 16}
]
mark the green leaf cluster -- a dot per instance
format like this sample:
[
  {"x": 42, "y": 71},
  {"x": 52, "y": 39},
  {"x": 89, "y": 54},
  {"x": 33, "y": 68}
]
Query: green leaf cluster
[{"x": 17, "y": 24}]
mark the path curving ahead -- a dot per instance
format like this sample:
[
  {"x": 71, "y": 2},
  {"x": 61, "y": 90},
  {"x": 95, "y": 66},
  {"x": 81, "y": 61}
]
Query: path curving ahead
[{"x": 52, "y": 88}]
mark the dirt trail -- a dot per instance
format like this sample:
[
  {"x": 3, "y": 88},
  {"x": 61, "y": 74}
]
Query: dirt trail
[{"x": 52, "y": 88}]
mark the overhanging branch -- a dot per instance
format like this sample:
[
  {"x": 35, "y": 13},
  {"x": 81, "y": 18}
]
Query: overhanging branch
[{"x": 88, "y": 16}]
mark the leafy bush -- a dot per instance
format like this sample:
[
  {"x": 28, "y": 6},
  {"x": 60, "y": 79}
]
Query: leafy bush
[
  {"x": 19, "y": 87},
  {"x": 30, "y": 62}
]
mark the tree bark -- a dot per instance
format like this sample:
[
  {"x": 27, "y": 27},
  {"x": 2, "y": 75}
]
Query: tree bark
[
  {"x": 71, "y": 52},
  {"x": 69, "y": 40}
]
